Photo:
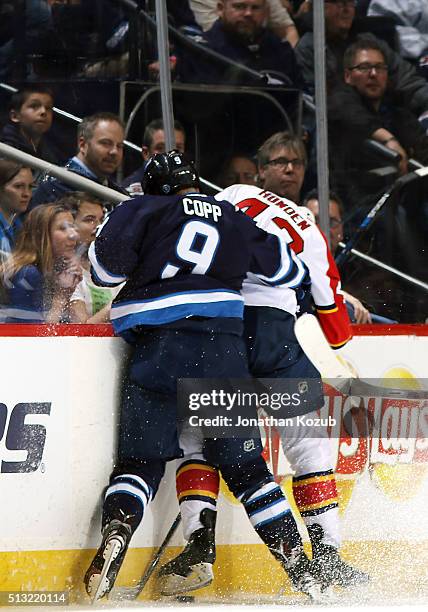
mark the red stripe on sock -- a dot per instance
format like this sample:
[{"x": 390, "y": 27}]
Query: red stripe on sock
[
  {"x": 314, "y": 493},
  {"x": 198, "y": 479}
]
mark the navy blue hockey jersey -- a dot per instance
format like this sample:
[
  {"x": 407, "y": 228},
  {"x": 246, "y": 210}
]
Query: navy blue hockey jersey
[{"x": 184, "y": 256}]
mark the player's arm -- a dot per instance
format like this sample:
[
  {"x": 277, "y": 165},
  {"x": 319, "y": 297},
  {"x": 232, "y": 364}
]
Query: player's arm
[
  {"x": 326, "y": 288},
  {"x": 114, "y": 253},
  {"x": 273, "y": 262}
]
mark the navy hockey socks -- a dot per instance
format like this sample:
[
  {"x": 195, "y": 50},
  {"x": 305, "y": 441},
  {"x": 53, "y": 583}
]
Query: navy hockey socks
[
  {"x": 265, "y": 503},
  {"x": 126, "y": 499},
  {"x": 271, "y": 517}
]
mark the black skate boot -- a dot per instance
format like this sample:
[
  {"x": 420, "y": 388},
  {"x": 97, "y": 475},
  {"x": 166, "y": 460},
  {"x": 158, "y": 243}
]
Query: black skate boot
[
  {"x": 105, "y": 566},
  {"x": 193, "y": 568},
  {"x": 328, "y": 566},
  {"x": 299, "y": 570}
]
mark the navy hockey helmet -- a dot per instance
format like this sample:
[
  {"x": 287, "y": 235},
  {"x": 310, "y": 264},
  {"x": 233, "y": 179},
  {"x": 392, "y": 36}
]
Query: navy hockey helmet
[{"x": 167, "y": 173}]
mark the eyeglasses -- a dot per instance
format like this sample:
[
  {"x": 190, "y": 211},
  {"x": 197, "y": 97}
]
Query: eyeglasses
[
  {"x": 334, "y": 222},
  {"x": 342, "y": 3},
  {"x": 367, "y": 68},
  {"x": 283, "y": 162}
]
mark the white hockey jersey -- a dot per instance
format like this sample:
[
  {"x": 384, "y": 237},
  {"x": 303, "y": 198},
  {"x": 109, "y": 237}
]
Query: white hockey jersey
[{"x": 281, "y": 216}]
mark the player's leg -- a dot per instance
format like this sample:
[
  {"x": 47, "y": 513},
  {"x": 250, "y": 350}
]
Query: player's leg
[
  {"x": 314, "y": 484},
  {"x": 269, "y": 513},
  {"x": 315, "y": 494},
  {"x": 197, "y": 490},
  {"x": 197, "y": 480},
  {"x": 249, "y": 479},
  {"x": 128, "y": 494},
  {"x": 147, "y": 439}
]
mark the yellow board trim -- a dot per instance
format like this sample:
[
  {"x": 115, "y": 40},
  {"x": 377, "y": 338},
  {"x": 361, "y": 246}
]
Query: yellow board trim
[{"x": 241, "y": 570}]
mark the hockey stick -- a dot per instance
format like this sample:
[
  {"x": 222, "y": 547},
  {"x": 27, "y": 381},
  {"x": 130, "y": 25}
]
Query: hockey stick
[
  {"x": 313, "y": 342},
  {"x": 133, "y": 592},
  {"x": 362, "y": 388},
  {"x": 369, "y": 219}
]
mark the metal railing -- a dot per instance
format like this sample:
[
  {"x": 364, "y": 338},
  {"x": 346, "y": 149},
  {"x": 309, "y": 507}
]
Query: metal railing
[{"x": 71, "y": 178}]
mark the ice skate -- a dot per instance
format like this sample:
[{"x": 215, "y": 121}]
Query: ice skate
[
  {"x": 299, "y": 570},
  {"x": 105, "y": 566},
  {"x": 329, "y": 567},
  {"x": 193, "y": 568}
]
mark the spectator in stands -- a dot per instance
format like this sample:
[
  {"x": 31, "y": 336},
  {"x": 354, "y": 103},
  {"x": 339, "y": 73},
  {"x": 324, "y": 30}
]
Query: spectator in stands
[
  {"x": 238, "y": 169},
  {"x": 89, "y": 303},
  {"x": 339, "y": 19},
  {"x": 335, "y": 210},
  {"x": 100, "y": 152},
  {"x": 282, "y": 163},
  {"x": 30, "y": 118},
  {"x": 279, "y": 20},
  {"x": 153, "y": 142},
  {"x": 358, "y": 313},
  {"x": 366, "y": 108},
  {"x": 16, "y": 183},
  {"x": 412, "y": 24},
  {"x": 240, "y": 35},
  {"x": 42, "y": 273}
]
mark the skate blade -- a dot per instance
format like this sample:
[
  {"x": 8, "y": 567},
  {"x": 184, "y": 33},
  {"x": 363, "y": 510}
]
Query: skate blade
[
  {"x": 318, "y": 595},
  {"x": 124, "y": 593},
  {"x": 112, "y": 549},
  {"x": 173, "y": 584}
]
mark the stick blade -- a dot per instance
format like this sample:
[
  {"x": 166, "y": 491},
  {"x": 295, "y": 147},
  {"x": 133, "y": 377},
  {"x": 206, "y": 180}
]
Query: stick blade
[{"x": 313, "y": 342}]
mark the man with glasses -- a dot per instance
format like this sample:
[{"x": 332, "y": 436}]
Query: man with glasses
[
  {"x": 240, "y": 34},
  {"x": 282, "y": 164},
  {"x": 367, "y": 106},
  {"x": 341, "y": 31}
]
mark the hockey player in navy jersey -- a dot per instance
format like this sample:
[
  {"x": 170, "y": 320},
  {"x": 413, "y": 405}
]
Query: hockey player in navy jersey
[
  {"x": 274, "y": 352},
  {"x": 183, "y": 257}
]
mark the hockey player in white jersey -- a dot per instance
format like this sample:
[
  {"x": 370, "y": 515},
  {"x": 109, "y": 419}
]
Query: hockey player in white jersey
[{"x": 273, "y": 351}]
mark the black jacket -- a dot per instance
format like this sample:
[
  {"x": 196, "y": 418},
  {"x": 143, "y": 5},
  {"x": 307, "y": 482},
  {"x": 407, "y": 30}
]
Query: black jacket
[
  {"x": 52, "y": 189},
  {"x": 268, "y": 54},
  {"x": 12, "y": 135},
  {"x": 404, "y": 79}
]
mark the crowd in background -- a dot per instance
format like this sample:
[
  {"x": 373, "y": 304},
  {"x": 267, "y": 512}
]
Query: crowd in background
[{"x": 377, "y": 67}]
